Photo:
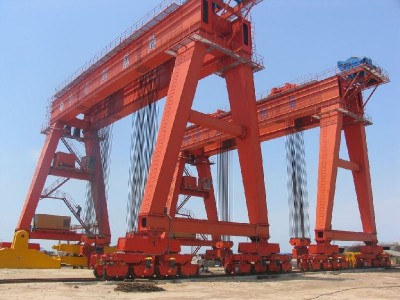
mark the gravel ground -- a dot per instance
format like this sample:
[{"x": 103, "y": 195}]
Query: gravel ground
[{"x": 374, "y": 284}]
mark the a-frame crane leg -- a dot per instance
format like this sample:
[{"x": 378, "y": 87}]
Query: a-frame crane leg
[
  {"x": 19, "y": 255},
  {"x": 371, "y": 254},
  {"x": 98, "y": 191},
  {"x": 176, "y": 114},
  {"x": 39, "y": 178},
  {"x": 330, "y": 135},
  {"x": 329, "y": 162},
  {"x": 358, "y": 153},
  {"x": 240, "y": 85}
]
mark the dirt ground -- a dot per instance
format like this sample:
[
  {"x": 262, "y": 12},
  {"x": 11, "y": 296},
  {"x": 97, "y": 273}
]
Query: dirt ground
[{"x": 374, "y": 284}]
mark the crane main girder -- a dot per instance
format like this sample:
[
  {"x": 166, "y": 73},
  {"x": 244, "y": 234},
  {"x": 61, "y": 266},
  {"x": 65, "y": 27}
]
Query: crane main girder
[
  {"x": 297, "y": 108},
  {"x": 274, "y": 113},
  {"x": 151, "y": 48}
]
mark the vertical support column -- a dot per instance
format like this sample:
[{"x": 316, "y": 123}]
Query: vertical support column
[
  {"x": 358, "y": 153},
  {"x": 204, "y": 171},
  {"x": 180, "y": 96},
  {"x": 39, "y": 178},
  {"x": 330, "y": 135},
  {"x": 240, "y": 84},
  {"x": 92, "y": 146}
]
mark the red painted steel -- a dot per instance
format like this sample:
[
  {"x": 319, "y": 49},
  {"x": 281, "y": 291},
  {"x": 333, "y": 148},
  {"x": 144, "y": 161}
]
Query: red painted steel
[
  {"x": 242, "y": 99},
  {"x": 39, "y": 178},
  {"x": 96, "y": 86},
  {"x": 331, "y": 126},
  {"x": 175, "y": 186},
  {"x": 357, "y": 146},
  {"x": 98, "y": 190},
  {"x": 204, "y": 172},
  {"x": 187, "y": 43},
  {"x": 275, "y": 115},
  {"x": 175, "y": 117}
]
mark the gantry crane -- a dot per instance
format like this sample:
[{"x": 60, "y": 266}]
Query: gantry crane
[
  {"x": 196, "y": 39},
  {"x": 335, "y": 103},
  {"x": 185, "y": 42}
]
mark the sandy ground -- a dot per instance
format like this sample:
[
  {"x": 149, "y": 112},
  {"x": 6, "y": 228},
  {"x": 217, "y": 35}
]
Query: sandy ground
[{"x": 376, "y": 284}]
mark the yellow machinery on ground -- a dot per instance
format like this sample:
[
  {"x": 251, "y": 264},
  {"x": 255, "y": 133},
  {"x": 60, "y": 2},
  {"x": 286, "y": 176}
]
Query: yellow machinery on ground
[
  {"x": 19, "y": 256},
  {"x": 71, "y": 255},
  {"x": 74, "y": 254},
  {"x": 351, "y": 258}
]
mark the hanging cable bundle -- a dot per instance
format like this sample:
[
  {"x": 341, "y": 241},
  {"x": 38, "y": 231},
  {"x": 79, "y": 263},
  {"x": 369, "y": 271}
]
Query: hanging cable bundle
[
  {"x": 105, "y": 135},
  {"x": 224, "y": 190},
  {"x": 89, "y": 216},
  {"x": 297, "y": 186},
  {"x": 144, "y": 133},
  {"x": 105, "y": 150}
]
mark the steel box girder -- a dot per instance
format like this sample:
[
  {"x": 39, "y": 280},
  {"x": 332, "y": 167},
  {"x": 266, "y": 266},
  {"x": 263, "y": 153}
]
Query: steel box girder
[
  {"x": 174, "y": 32},
  {"x": 94, "y": 88},
  {"x": 162, "y": 223},
  {"x": 340, "y": 235},
  {"x": 131, "y": 98},
  {"x": 275, "y": 115}
]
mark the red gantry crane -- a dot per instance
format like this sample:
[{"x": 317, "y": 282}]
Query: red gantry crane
[
  {"x": 183, "y": 43},
  {"x": 334, "y": 102}
]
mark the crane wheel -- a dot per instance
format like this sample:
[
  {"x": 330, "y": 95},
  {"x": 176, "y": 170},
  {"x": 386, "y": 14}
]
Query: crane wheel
[
  {"x": 157, "y": 272},
  {"x": 228, "y": 269},
  {"x": 130, "y": 274},
  {"x": 106, "y": 277},
  {"x": 96, "y": 274},
  {"x": 180, "y": 273},
  {"x": 188, "y": 271}
]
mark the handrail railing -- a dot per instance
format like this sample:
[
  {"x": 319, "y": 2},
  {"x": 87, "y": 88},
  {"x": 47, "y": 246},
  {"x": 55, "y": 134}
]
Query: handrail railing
[
  {"x": 313, "y": 77},
  {"x": 143, "y": 25}
]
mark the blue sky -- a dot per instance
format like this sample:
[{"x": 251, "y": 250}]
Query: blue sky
[{"x": 42, "y": 42}]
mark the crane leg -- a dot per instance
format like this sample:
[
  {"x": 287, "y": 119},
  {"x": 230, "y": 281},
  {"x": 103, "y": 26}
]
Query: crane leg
[
  {"x": 92, "y": 145},
  {"x": 240, "y": 84},
  {"x": 329, "y": 161},
  {"x": 321, "y": 254},
  {"x": 358, "y": 153},
  {"x": 330, "y": 135},
  {"x": 180, "y": 96},
  {"x": 371, "y": 253},
  {"x": 20, "y": 255},
  {"x": 39, "y": 178},
  {"x": 154, "y": 221}
]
